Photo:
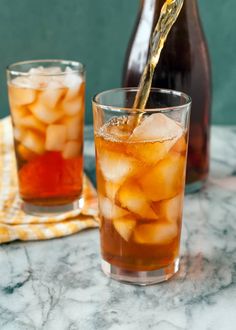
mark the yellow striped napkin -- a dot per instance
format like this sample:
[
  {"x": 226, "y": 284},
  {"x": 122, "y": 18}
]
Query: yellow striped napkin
[{"x": 15, "y": 224}]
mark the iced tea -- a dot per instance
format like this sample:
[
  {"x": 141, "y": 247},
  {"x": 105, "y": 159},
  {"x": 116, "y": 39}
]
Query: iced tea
[
  {"x": 47, "y": 109},
  {"x": 141, "y": 179}
]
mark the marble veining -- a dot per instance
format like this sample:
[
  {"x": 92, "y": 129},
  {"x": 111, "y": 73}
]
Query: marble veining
[{"x": 58, "y": 285}]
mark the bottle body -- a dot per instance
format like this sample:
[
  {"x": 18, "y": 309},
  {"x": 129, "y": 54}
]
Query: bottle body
[{"x": 184, "y": 65}]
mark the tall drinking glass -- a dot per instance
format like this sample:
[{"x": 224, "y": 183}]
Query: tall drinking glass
[
  {"x": 140, "y": 164},
  {"x": 46, "y": 100}
]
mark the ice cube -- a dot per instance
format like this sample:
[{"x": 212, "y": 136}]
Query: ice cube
[
  {"x": 171, "y": 209},
  {"x": 109, "y": 210},
  {"x": 40, "y": 70},
  {"x": 37, "y": 70},
  {"x": 18, "y": 114},
  {"x": 39, "y": 82},
  {"x": 158, "y": 233},
  {"x": 25, "y": 153},
  {"x": 115, "y": 167},
  {"x": 55, "y": 137},
  {"x": 131, "y": 197},
  {"x": 72, "y": 80},
  {"x": 111, "y": 189},
  {"x": 37, "y": 77},
  {"x": 33, "y": 141},
  {"x": 125, "y": 226},
  {"x": 21, "y": 96},
  {"x": 157, "y": 127},
  {"x": 68, "y": 69},
  {"x": 53, "y": 70},
  {"x": 150, "y": 152},
  {"x": 51, "y": 96},
  {"x": 74, "y": 92},
  {"x": 21, "y": 82},
  {"x": 41, "y": 77},
  {"x": 73, "y": 127},
  {"x": 166, "y": 179},
  {"x": 71, "y": 149},
  {"x": 45, "y": 114},
  {"x": 180, "y": 146},
  {"x": 57, "y": 83},
  {"x": 31, "y": 122},
  {"x": 18, "y": 133},
  {"x": 73, "y": 107}
]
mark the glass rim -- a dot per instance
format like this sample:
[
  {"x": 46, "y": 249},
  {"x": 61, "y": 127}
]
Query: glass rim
[
  {"x": 111, "y": 108},
  {"x": 80, "y": 67}
]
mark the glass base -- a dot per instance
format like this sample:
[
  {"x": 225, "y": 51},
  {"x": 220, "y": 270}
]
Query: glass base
[
  {"x": 140, "y": 278},
  {"x": 39, "y": 210},
  {"x": 194, "y": 187}
]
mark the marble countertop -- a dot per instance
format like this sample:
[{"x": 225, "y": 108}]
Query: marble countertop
[{"x": 58, "y": 284}]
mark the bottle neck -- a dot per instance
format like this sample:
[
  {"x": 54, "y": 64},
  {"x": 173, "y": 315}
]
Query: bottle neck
[
  {"x": 159, "y": 3},
  {"x": 188, "y": 17},
  {"x": 190, "y": 8}
]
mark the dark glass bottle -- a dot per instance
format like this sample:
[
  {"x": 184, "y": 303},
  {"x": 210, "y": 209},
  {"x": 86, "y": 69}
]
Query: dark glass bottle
[{"x": 184, "y": 65}]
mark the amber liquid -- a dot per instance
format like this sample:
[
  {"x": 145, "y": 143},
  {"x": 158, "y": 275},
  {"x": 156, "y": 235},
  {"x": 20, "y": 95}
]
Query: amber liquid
[
  {"x": 48, "y": 138},
  {"x": 184, "y": 66},
  {"x": 140, "y": 216},
  {"x": 49, "y": 179}
]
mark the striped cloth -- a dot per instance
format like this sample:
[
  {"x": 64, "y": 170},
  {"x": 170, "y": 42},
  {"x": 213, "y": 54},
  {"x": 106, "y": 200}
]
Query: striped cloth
[{"x": 15, "y": 224}]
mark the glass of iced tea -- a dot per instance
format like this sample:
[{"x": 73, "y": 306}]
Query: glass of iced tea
[
  {"x": 140, "y": 166},
  {"x": 46, "y": 100}
]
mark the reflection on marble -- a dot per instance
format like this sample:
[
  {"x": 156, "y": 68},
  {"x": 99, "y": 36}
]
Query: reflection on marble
[{"x": 58, "y": 285}]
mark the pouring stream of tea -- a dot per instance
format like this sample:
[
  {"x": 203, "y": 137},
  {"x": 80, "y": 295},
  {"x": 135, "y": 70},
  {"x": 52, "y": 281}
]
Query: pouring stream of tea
[{"x": 169, "y": 13}]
